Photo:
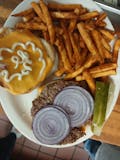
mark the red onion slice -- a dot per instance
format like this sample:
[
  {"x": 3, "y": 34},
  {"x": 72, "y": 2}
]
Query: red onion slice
[
  {"x": 51, "y": 125},
  {"x": 87, "y": 94},
  {"x": 77, "y": 103}
]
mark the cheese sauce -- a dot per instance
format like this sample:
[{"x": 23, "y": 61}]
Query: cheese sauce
[{"x": 22, "y": 58}]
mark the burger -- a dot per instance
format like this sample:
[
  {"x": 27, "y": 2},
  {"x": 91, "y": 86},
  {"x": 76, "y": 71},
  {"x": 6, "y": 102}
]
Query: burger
[{"x": 25, "y": 60}]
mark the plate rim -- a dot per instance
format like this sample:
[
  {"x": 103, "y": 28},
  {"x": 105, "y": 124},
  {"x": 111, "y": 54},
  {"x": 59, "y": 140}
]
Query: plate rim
[{"x": 52, "y": 146}]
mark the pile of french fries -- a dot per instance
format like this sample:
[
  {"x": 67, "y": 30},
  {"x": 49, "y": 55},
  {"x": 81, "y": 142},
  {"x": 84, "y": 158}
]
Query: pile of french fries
[{"x": 80, "y": 37}]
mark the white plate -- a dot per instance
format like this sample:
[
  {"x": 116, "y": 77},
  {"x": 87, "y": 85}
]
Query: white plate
[{"x": 18, "y": 108}]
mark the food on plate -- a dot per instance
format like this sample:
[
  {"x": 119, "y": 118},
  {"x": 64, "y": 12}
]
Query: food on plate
[
  {"x": 115, "y": 50},
  {"x": 77, "y": 102},
  {"x": 80, "y": 36},
  {"x": 47, "y": 125},
  {"x": 27, "y": 60},
  {"x": 73, "y": 97},
  {"x": 100, "y": 107},
  {"x": 82, "y": 41}
]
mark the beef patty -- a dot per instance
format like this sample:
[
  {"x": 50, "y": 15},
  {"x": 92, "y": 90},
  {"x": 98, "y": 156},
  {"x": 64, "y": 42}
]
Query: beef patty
[{"x": 47, "y": 97}]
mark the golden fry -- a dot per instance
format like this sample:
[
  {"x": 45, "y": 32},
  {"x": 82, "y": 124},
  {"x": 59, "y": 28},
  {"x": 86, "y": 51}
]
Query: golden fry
[
  {"x": 60, "y": 72},
  {"x": 116, "y": 50},
  {"x": 23, "y": 13},
  {"x": 76, "y": 38},
  {"x": 108, "y": 54},
  {"x": 63, "y": 15},
  {"x": 89, "y": 27},
  {"x": 37, "y": 19},
  {"x": 76, "y": 51},
  {"x": 91, "y": 59},
  {"x": 72, "y": 25},
  {"x": 97, "y": 39},
  {"x": 58, "y": 30},
  {"x": 107, "y": 34},
  {"x": 101, "y": 17},
  {"x": 101, "y": 24},
  {"x": 102, "y": 74},
  {"x": 63, "y": 7},
  {"x": 29, "y": 17},
  {"x": 97, "y": 75},
  {"x": 84, "y": 52},
  {"x": 89, "y": 15},
  {"x": 46, "y": 35},
  {"x": 78, "y": 11},
  {"x": 103, "y": 68},
  {"x": 105, "y": 43},
  {"x": 82, "y": 44},
  {"x": 48, "y": 21},
  {"x": 67, "y": 42},
  {"x": 87, "y": 39},
  {"x": 31, "y": 26},
  {"x": 37, "y": 10},
  {"x": 90, "y": 81},
  {"x": 63, "y": 55}
]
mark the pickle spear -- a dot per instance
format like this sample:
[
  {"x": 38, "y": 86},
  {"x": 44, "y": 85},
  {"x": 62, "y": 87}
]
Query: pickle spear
[{"x": 100, "y": 106}]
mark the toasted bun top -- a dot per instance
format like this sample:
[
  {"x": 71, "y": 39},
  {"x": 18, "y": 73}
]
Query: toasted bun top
[{"x": 26, "y": 61}]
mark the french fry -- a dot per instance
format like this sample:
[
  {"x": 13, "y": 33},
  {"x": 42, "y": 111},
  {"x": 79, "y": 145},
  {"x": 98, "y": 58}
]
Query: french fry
[
  {"x": 76, "y": 38},
  {"x": 107, "y": 54},
  {"x": 63, "y": 15},
  {"x": 72, "y": 25},
  {"x": 105, "y": 43},
  {"x": 103, "y": 68},
  {"x": 97, "y": 75},
  {"x": 79, "y": 36},
  {"x": 101, "y": 24},
  {"x": 91, "y": 59},
  {"x": 84, "y": 52},
  {"x": 116, "y": 50},
  {"x": 87, "y": 38},
  {"x": 101, "y": 17},
  {"x": 89, "y": 15},
  {"x": 102, "y": 74},
  {"x": 89, "y": 27},
  {"x": 58, "y": 30},
  {"x": 63, "y": 55},
  {"x": 24, "y": 13},
  {"x": 60, "y": 72},
  {"x": 90, "y": 81},
  {"x": 31, "y": 26},
  {"x": 97, "y": 39},
  {"x": 78, "y": 11},
  {"x": 67, "y": 43},
  {"x": 107, "y": 34},
  {"x": 28, "y": 17},
  {"x": 37, "y": 10},
  {"x": 37, "y": 19},
  {"x": 48, "y": 21},
  {"x": 63, "y": 7},
  {"x": 82, "y": 44},
  {"x": 76, "y": 51},
  {"x": 46, "y": 35}
]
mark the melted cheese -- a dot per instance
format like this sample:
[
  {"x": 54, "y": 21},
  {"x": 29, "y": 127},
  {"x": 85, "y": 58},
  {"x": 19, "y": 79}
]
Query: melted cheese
[{"x": 26, "y": 59}]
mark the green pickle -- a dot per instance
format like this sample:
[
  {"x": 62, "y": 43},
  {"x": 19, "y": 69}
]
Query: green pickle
[{"x": 100, "y": 106}]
